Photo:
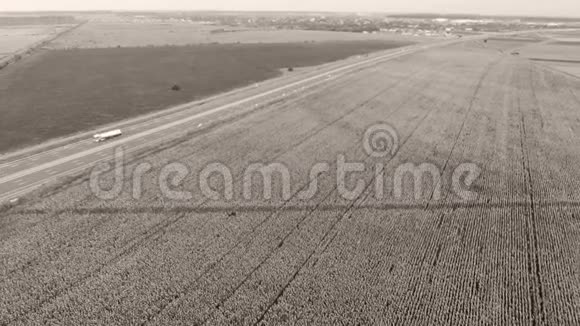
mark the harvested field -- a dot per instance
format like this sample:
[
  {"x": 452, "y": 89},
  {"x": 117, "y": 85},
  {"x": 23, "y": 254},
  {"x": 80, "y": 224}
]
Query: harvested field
[
  {"x": 567, "y": 43},
  {"x": 555, "y": 60},
  {"x": 563, "y": 54},
  {"x": 515, "y": 39},
  {"x": 34, "y": 20},
  {"x": 508, "y": 43},
  {"x": 64, "y": 91},
  {"x": 572, "y": 69},
  {"x": 510, "y": 255},
  {"x": 546, "y": 51},
  {"x": 15, "y": 38},
  {"x": 107, "y": 35}
]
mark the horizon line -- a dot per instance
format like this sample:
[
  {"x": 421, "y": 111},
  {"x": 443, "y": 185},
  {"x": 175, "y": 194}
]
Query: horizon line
[{"x": 378, "y": 12}]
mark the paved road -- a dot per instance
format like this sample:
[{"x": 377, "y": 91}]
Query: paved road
[
  {"x": 507, "y": 256},
  {"x": 22, "y": 175}
]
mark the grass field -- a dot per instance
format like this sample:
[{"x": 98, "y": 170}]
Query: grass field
[{"x": 60, "y": 92}]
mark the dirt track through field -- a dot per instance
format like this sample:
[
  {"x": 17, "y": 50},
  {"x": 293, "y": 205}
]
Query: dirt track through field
[{"x": 509, "y": 256}]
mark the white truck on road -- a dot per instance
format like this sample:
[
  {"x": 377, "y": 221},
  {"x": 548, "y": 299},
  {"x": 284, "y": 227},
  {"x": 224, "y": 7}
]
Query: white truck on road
[{"x": 107, "y": 135}]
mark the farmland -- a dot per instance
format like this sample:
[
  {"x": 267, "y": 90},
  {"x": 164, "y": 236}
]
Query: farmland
[
  {"x": 60, "y": 92},
  {"x": 16, "y": 38},
  {"x": 20, "y": 34},
  {"x": 562, "y": 52},
  {"x": 112, "y": 34},
  {"x": 509, "y": 256}
]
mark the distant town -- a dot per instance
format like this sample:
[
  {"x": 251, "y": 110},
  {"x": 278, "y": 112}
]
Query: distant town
[{"x": 418, "y": 25}]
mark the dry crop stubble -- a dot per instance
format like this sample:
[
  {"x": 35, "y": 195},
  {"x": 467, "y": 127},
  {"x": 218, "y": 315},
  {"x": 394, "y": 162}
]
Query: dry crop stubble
[{"x": 506, "y": 259}]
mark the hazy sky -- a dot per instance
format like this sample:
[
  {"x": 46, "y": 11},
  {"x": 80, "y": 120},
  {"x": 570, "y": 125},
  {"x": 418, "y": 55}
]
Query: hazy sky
[{"x": 505, "y": 7}]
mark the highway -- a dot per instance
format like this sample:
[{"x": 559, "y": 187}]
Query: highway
[
  {"x": 22, "y": 175},
  {"x": 25, "y": 174}
]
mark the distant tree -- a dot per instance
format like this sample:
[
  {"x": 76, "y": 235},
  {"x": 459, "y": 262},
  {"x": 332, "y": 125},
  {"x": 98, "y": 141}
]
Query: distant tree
[
  {"x": 176, "y": 88},
  {"x": 291, "y": 69}
]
